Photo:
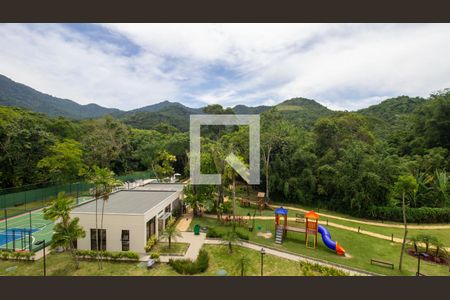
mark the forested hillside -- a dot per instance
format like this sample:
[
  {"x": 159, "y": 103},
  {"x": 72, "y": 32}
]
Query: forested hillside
[
  {"x": 19, "y": 95},
  {"x": 353, "y": 162}
]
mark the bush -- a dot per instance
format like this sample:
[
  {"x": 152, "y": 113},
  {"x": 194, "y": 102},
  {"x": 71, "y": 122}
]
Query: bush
[
  {"x": 189, "y": 267},
  {"x": 413, "y": 215},
  {"x": 154, "y": 255},
  {"x": 109, "y": 255},
  {"x": 16, "y": 255},
  {"x": 212, "y": 233},
  {"x": 242, "y": 235},
  {"x": 150, "y": 243}
]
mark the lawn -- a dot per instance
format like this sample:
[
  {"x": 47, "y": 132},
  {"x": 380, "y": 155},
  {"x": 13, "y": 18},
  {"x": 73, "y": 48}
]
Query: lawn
[
  {"x": 442, "y": 234},
  {"x": 220, "y": 259},
  {"x": 360, "y": 249},
  {"x": 175, "y": 249}
]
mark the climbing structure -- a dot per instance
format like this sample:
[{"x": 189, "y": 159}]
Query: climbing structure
[
  {"x": 280, "y": 229},
  {"x": 312, "y": 226}
]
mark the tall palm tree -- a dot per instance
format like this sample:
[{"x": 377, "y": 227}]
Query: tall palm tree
[
  {"x": 65, "y": 236},
  {"x": 104, "y": 182}
]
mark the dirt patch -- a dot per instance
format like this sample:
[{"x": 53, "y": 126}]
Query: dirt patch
[{"x": 266, "y": 235}]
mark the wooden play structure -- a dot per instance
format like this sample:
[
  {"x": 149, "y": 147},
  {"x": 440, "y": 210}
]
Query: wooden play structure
[
  {"x": 311, "y": 230},
  {"x": 282, "y": 229}
]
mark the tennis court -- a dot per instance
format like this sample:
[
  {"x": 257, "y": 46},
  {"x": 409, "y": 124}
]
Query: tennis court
[{"x": 18, "y": 232}]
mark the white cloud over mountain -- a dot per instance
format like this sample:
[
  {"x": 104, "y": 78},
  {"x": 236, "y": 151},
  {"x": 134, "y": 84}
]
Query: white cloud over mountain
[{"x": 344, "y": 66}]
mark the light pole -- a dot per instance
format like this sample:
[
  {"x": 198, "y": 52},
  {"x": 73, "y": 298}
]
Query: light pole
[
  {"x": 43, "y": 249},
  {"x": 419, "y": 254},
  {"x": 263, "y": 252}
]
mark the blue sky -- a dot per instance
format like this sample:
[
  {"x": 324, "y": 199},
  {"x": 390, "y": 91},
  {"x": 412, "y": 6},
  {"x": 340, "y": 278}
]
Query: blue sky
[{"x": 343, "y": 66}]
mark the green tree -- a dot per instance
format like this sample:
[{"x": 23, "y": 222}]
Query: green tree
[
  {"x": 65, "y": 162},
  {"x": 104, "y": 182},
  {"x": 65, "y": 236},
  {"x": 67, "y": 230},
  {"x": 441, "y": 185},
  {"x": 243, "y": 264},
  {"x": 170, "y": 232},
  {"x": 406, "y": 184},
  {"x": 60, "y": 209},
  {"x": 162, "y": 166},
  {"x": 231, "y": 238}
]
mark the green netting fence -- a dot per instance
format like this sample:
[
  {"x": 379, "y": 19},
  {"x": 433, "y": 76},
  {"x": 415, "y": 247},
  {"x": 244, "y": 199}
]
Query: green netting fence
[{"x": 31, "y": 197}]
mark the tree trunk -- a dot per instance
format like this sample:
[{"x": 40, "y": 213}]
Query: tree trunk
[
  {"x": 101, "y": 235},
  {"x": 234, "y": 197},
  {"x": 96, "y": 229},
  {"x": 170, "y": 242},
  {"x": 72, "y": 251},
  {"x": 406, "y": 232},
  {"x": 267, "y": 174}
]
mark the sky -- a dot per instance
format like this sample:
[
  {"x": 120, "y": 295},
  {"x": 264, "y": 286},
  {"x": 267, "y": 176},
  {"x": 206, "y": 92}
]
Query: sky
[{"x": 127, "y": 66}]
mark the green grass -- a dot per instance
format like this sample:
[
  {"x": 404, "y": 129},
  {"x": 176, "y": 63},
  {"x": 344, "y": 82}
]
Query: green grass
[
  {"x": 360, "y": 249},
  {"x": 442, "y": 234},
  {"x": 62, "y": 265},
  {"x": 175, "y": 249}
]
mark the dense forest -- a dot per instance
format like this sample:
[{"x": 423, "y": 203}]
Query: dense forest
[{"x": 351, "y": 162}]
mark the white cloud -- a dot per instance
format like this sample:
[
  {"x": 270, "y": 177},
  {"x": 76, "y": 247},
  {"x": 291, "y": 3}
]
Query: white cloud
[{"x": 344, "y": 66}]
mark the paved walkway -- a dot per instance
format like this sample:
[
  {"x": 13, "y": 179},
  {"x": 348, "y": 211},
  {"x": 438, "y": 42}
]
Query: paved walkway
[
  {"x": 185, "y": 221},
  {"x": 195, "y": 244},
  {"x": 289, "y": 256}
]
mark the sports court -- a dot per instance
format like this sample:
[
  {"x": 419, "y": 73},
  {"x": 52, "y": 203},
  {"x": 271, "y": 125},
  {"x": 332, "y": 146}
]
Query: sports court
[{"x": 23, "y": 227}]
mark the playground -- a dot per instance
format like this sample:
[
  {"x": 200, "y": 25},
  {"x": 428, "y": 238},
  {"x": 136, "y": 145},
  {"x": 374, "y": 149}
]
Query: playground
[{"x": 333, "y": 238}]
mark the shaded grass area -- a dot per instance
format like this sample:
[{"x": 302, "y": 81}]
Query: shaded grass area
[
  {"x": 175, "y": 249},
  {"x": 360, "y": 249},
  {"x": 220, "y": 259}
]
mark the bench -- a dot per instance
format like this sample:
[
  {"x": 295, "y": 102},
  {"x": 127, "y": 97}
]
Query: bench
[{"x": 382, "y": 263}]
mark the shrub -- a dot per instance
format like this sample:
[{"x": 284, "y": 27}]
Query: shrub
[
  {"x": 16, "y": 255},
  {"x": 154, "y": 256},
  {"x": 242, "y": 235},
  {"x": 189, "y": 267},
  {"x": 413, "y": 215},
  {"x": 150, "y": 243},
  {"x": 212, "y": 233},
  {"x": 110, "y": 255}
]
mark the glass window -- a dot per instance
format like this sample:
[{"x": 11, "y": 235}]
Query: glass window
[
  {"x": 98, "y": 239},
  {"x": 125, "y": 240}
]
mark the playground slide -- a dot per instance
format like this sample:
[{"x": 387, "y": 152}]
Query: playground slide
[{"x": 326, "y": 238}]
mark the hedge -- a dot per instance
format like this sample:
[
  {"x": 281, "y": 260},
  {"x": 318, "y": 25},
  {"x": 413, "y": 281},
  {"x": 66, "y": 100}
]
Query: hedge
[
  {"x": 413, "y": 215},
  {"x": 189, "y": 267},
  {"x": 109, "y": 255},
  {"x": 16, "y": 255}
]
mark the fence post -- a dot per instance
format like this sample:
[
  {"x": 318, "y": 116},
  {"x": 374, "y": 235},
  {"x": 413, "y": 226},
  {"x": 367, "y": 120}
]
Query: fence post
[
  {"x": 359, "y": 228},
  {"x": 392, "y": 237},
  {"x": 6, "y": 227},
  {"x": 29, "y": 235}
]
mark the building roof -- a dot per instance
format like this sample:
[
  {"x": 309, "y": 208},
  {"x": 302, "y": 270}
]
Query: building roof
[
  {"x": 127, "y": 202},
  {"x": 162, "y": 187}
]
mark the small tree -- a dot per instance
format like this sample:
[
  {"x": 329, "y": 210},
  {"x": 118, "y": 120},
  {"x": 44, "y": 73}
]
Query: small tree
[
  {"x": 243, "y": 264},
  {"x": 59, "y": 209},
  {"x": 231, "y": 238},
  {"x": 405, "y": 185},
  {"x": 171, "y": 232},
  {"x": 66, "y": 235}
]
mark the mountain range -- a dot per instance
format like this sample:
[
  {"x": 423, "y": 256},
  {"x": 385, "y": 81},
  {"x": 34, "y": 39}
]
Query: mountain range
[{"x": 176, "y": 114}]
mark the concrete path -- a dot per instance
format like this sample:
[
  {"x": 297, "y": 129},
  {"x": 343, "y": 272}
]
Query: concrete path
[
  {"x": 290, "y": 256},
  {"x": 196, "y": 243},
  {"x": 185, "y": 221}
]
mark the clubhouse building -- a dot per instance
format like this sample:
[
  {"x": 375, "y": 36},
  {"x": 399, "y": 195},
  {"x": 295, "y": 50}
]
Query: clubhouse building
[{"x": 130, "y": 217}]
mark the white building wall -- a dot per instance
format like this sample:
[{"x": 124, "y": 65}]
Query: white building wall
[{"x": 114, "y": 224}]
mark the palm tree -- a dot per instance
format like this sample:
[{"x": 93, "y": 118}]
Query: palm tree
[
  {"x": 405, "y": 185},
  {"x": 104, "y": 182},
  {"x": 231, "y": 238},
  {"x": 66, "y": 234},
  {"x": 243, "y": 264},
  {"x": 171, "y": 232},
  {"x": 441, "y": 185},
  {"x": 59, "y": 209}
]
